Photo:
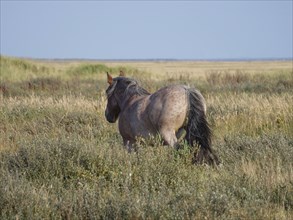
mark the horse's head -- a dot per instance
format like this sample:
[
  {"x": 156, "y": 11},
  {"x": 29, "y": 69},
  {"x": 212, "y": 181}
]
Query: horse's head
[
  {"x": 120, "y": 90},
  {"x": 113, "y": 109}
]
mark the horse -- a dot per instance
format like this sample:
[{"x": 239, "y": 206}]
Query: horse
[{"x": 167, "y": 112}]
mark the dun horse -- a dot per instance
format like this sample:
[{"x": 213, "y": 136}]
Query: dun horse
[{"x": 166, "y": 112}]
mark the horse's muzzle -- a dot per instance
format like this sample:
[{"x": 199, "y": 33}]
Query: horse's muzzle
[{"x": 110, "y": 118}]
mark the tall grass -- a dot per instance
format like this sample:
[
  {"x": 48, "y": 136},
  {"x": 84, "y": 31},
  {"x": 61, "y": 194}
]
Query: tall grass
[{"x": 60, "y": 159}]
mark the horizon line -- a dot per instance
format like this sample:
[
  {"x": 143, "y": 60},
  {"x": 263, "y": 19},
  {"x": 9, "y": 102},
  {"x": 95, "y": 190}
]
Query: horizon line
[{"x": 153, "y": 59}]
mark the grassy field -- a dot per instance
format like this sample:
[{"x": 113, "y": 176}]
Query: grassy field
[{"x": 60, "y": 159}]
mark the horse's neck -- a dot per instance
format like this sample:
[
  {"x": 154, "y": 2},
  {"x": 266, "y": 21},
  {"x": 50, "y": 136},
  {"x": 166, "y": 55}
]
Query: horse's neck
[
  {"x": 132, "y": 98},
  {"x": 130, "y": 94}
]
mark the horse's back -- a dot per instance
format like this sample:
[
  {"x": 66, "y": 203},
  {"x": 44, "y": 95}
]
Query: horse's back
[{"x": 168, "y": 107}]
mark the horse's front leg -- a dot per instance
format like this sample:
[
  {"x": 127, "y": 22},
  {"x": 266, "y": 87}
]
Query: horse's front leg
[{"x": 128, "y": 144}]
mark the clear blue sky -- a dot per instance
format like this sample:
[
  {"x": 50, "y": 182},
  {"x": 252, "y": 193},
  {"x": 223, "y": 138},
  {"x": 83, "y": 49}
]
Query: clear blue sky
[{"x": 147, "y": 29}]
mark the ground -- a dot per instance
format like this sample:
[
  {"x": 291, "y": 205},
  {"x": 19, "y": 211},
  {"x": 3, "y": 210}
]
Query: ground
[{"x": 60, "y": 159}]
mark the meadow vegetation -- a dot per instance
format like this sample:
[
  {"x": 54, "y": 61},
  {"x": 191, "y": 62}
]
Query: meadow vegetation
[{"x": 60, "y": 159}]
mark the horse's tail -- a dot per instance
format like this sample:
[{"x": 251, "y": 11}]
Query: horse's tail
[{"x": 198, "y": 130}]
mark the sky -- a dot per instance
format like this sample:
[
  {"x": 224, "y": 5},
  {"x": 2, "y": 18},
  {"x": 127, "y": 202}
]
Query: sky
[{"x": 147, "y": 29}]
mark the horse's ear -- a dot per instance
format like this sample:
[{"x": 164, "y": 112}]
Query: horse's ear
[
  {"x": 122, "y": 73},
  {"x": 110, "y": 78}
]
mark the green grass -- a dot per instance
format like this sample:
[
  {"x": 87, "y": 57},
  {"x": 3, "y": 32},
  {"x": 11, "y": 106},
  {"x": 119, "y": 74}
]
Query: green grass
[{"x": 60, "y": 159}]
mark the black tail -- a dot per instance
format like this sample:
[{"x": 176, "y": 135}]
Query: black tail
[{"x": 198, "y": 130}]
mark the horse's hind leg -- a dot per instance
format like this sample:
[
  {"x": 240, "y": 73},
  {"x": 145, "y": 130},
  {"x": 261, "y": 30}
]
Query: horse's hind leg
[
  {"x": 169, "y": 137},
  {"x": 180, "y": 134}
]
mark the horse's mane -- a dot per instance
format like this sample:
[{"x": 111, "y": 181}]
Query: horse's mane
[
  {"x": 129, "y": 86},
  {"x": 134, "y": 88}
]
